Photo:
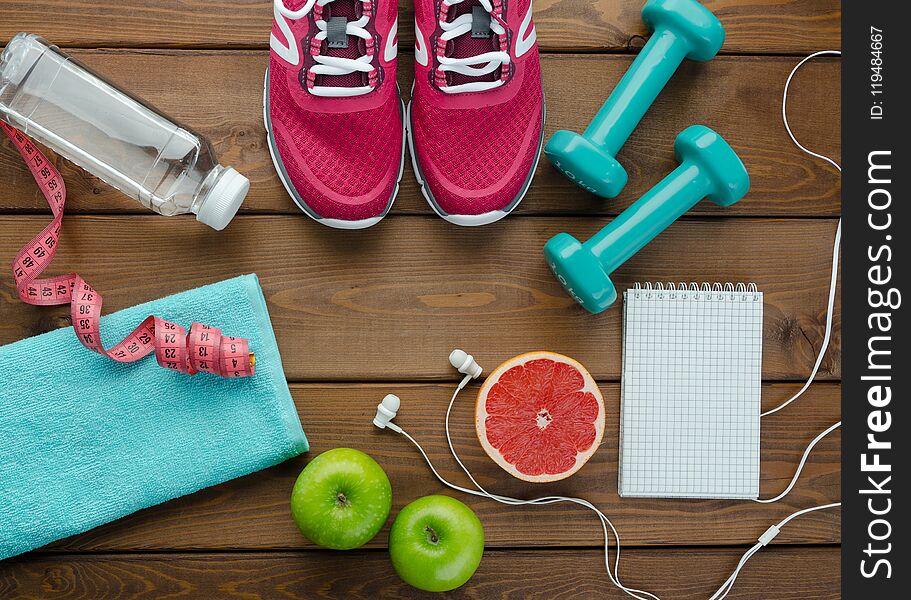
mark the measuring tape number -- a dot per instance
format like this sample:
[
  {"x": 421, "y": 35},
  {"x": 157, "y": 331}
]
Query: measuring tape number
[{"x": 203, "y": 349}]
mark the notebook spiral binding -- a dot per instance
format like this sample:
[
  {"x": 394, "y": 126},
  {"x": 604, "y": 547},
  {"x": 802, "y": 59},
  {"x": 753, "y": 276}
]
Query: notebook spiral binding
[{"x": 743, "y": 292}]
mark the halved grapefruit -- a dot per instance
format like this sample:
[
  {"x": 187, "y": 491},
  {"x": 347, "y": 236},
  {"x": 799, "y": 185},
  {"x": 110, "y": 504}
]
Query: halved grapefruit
[{"x": 540, "y": 416}]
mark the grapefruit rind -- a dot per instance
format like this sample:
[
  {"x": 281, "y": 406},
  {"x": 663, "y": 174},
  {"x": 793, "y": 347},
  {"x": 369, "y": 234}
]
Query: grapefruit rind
[{"x": 585, "y": 439}]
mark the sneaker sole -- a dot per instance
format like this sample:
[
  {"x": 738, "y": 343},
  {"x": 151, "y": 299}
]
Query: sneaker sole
[
  {"x": 301, "y": 204},
  {"x": 483, "y": 218}
]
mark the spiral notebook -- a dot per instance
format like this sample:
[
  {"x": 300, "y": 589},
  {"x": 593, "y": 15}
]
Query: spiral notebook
[{"x": 690, "y": 391}]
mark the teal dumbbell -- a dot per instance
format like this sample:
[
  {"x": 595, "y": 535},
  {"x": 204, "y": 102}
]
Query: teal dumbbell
[
  {"x": 708, "y": 167},
  {"x": 680, "y": 29}
]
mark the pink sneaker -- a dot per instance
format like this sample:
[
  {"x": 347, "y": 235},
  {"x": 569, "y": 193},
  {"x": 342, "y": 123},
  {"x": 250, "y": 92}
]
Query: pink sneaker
[
  {"x": 476, "y": 117},
  {"x": 332, "y": 108}
]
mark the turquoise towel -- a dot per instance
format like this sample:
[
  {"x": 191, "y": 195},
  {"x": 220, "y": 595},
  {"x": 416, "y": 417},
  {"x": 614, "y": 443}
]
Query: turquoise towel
[{"x": 85, "y": 440}]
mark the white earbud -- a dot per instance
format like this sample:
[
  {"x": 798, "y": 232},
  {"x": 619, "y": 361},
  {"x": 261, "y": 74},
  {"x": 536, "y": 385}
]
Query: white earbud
[
  {"x": 386, "y": 411},
  {"x": 465, "y": 363}
]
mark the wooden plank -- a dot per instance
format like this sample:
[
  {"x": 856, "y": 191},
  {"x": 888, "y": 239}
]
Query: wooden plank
[
  {"x": 780, "y": 573},
  {"x": 766, "y": 26},
  {"x": 413, "y": 288},
  {"x": 738, "y": 96},
  {"x": 253, "y": 513}
]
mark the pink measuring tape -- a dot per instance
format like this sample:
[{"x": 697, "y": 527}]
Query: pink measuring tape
[{"x": 204, "y": 349}]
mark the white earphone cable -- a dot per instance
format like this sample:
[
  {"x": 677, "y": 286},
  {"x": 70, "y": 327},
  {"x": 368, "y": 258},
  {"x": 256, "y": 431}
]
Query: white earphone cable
[
  {"x": 606, "y": 524},
  {"x": 833, "y": 280},
  {"x": 803, "y": 460},
  {"x": 837, "y": 244},
  {"x": 767, "y": 537},
  {"x": 773, "y": 531}
]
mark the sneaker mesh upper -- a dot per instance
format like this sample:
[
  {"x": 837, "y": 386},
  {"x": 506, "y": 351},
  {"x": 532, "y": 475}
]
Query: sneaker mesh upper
[
  {"x": 472, "y": 149},
  {"x": 353, "y": 154}
]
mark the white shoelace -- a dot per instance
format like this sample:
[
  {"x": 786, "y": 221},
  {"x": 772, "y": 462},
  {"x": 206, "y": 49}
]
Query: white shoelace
[
  {"x": 335, "y": 65},
  {"x": 490, "y": 61}
]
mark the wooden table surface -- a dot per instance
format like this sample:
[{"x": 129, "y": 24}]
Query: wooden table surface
[{"x": 359, "y": 314}]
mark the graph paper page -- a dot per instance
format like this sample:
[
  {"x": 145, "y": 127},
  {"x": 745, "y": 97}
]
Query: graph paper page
[{"x": 690, "y": 399}]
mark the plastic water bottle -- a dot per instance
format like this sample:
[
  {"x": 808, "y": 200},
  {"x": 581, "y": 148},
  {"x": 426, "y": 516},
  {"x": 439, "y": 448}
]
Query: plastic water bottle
[{"x": 167, "y": 167}]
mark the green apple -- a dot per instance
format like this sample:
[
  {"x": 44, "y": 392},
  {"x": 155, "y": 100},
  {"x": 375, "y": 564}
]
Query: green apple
[
  {"x": 341, "y": 499},
  {"x": 436, "y": 543}
]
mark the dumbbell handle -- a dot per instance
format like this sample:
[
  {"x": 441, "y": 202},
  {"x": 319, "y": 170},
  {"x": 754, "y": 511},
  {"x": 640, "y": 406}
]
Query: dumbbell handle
[
  {"x": 637, "y": 90},
  {"x": 649, "y": 215}
]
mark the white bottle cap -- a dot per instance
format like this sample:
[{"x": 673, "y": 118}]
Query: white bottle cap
[{"x": 221, "y": 203}]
